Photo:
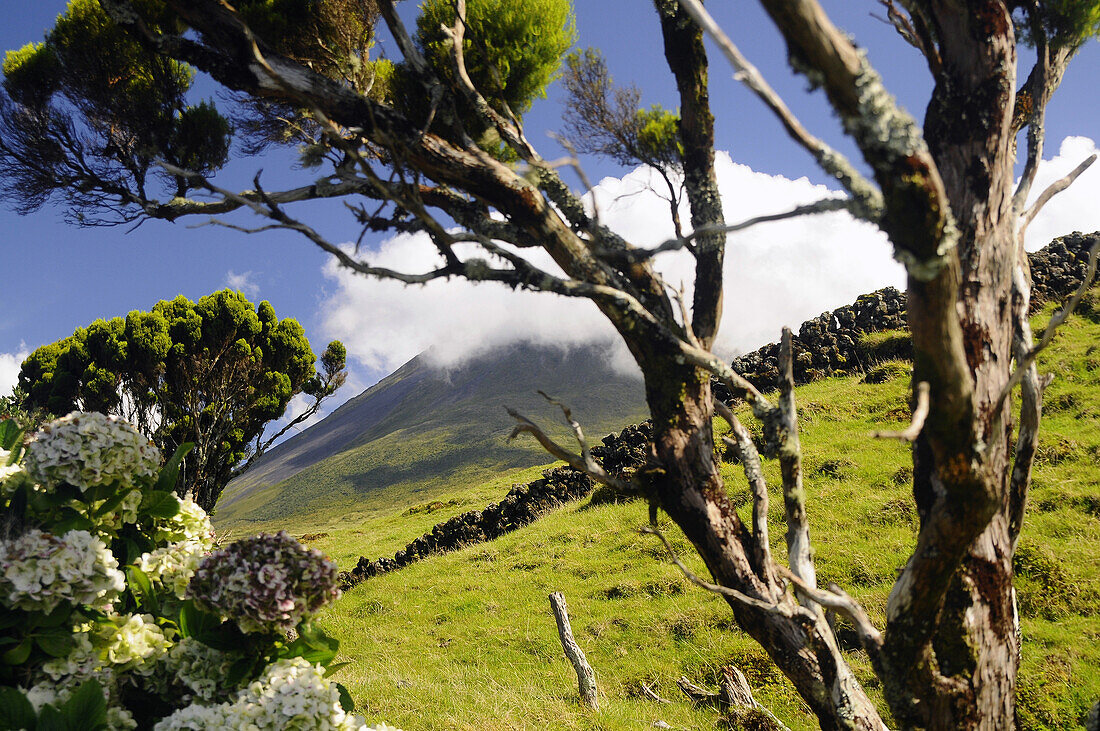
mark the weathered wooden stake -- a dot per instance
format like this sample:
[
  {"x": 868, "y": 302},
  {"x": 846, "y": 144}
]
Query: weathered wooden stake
[{"x": 586, "y": 679}]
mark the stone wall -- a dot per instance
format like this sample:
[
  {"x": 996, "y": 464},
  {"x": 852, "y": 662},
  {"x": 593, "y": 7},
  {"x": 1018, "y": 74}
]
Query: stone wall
[
  {"x": 831, "y": 344},
  {"x": 523, "y": 505}
]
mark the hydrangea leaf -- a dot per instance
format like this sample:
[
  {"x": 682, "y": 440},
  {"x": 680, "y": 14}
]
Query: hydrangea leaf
[{"x": 15, "y": 710}]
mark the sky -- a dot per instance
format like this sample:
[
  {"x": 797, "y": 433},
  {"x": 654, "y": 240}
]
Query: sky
[{"x": 55, "y": 277}]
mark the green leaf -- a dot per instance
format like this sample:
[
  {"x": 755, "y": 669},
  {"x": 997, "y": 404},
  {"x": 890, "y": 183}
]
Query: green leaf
[
  {"x": 16, "y": 712},
  {"x": 18, "y": 654},
  {"x": 51, "y": 719},
  {"x": 86, "y": 709},
  {"x": 10, "y": 436},
  {"x": 335, "y": 667},
  {"x": 170, "y": 472},
  {"x": 240, "y": 670},
  {"x": 12, "y": 617},
  {"x": 55, "y": 618},
  {"x": 346, "y": 701},
  {"x": 111, "y": 503},
  {"x": 160, "y": 504},
  {"x": 56, "y": 644},
  {"x": 194, "y": 622},
  {"x": 142, "y": 589},
  {"x": 313, "y": 645}
]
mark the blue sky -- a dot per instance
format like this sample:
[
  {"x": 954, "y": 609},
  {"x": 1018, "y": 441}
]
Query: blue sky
[{"x": 58, "y": 277}]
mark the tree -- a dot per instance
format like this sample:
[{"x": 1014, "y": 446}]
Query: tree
[
  {"x": 213, "y": 372},
  {"x": 944, "y": 195}
]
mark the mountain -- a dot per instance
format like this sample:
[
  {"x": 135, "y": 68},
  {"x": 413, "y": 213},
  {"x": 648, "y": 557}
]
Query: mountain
[{"x": 425, "y": 428}]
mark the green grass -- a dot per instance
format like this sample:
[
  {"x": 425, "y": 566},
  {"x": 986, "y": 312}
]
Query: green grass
[{"x": 467, "y": 640}]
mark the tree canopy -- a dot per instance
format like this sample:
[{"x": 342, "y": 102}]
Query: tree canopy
[
  {"x": 214, "y": 372},
  {"x": 434, "y": 143}
]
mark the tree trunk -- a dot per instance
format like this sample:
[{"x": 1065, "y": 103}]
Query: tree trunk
[
  {"x": 968, "y": 127},
  {"x": 688, "y": 487}
]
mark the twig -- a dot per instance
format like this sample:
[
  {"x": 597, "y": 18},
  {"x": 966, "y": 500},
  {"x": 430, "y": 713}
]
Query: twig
[
  {"x": 1055, "y": 322},
  {"x": 1054, "y": 189},
  {"x": 920, "y": 414},
  {"x": 583, "y": 463},
  {"x": 652, "y": 695},
  {"x": 827, "y": 205},
  {"x": 868, "y": 197},
  {"x": 740, "y": 597},
  {"x": 836, "y": 598}
]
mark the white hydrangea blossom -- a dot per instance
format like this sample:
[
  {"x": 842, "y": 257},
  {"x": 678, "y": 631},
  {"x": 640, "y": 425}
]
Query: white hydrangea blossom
[
  {"x": 136, "y": 644},
  {"x": 172, "y": 566},
  {"x": 292, "y": 694},
  {"x": 200, "y": 668},
  {"x": 87, "y": 449},
  {"x": 47, "y": 694},
  {"x": 191, "y": 523},
  {"x": 39, "y": 570}
]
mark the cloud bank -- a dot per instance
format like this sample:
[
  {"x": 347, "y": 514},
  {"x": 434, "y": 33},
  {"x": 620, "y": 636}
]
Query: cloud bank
[{"x": 777, "y": 274}]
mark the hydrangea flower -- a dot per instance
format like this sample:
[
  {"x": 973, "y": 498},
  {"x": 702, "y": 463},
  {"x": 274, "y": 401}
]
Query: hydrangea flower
[
  {"x": 291, "y": 694},
  {"x": 39, "y": 570},
  {"x": 172, "y": 566},
  {"x": 88, "y": 449},
  {"x": 47, "y": 694},
  {"x": 199, "y": 668},
  {"x": 267, "y": 583},
  {"x": 191, "y": 523},
  {"x": 134, "y": 643}
]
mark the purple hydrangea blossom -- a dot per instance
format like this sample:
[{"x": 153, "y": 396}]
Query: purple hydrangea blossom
[{"x": 266, "y": 583}]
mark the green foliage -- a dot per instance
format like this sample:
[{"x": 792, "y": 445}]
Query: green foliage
[
  {"x": 1063, "y": 22},
  {"x": 512, "y": 48},
  {"x": 659, "y": 134},
  {"x": 607, "y": 120},
  {"x": 92, "y": 101},
  {"x": 212, "y": 372}
]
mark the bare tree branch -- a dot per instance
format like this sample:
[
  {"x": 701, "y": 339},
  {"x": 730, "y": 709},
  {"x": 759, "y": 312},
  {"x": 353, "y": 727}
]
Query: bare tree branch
[
  {"x": 784, "y": 610},
  {"x": 582, "y": 463},
  {"x": 920, "y": 414},
  {"x": 1049, "y": 331},
  {"x": 782, "y": 431},
  {"x": 867, "y": 199},
  {"x": 1054, "y": 189},
  {"x": 837, "y": 599},
  {"x": 827, "y": 205}
]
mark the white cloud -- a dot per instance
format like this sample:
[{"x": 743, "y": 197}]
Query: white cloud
[
  {"x": 776, "y": 274},
  {"x": 1075, "y": 209},
  {"x": 243, "y": 282},
  {"x": 9, "y": 369}
]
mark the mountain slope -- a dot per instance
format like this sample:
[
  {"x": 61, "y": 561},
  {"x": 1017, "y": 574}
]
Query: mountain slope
[{"x": 423, "y": 429}]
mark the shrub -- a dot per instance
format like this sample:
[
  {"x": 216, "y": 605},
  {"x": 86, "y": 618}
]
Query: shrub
[{"x": 118, "y": 613}]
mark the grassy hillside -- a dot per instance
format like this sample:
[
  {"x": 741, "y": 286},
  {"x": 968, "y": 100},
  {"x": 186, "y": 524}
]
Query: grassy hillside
[
  {"x": 466, "y": 640},
  {"x": 423, "y": 431}
]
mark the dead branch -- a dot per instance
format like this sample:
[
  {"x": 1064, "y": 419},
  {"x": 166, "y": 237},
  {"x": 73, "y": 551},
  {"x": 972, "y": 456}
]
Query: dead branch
[
  {"x": 828, "y": 205},
  {"x": 920, "y": 414},
  {"x": 839, "y": 600},
  {"x": 740, "y": 597},
  {"x": 745, "y": 450},
  {"x": 866, "y": 195},
  {"x": 582, "y": 463},
  {"x": 1055, "y": 322},
  {"x": 652, "y": 695},
  {"x": 785, "y": 430},
  {"x": 1052, "y": 190},
  {"x": 586, "y": 679}
]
